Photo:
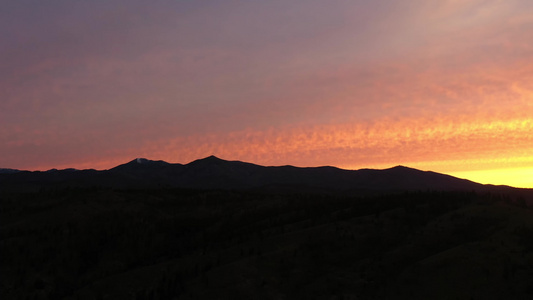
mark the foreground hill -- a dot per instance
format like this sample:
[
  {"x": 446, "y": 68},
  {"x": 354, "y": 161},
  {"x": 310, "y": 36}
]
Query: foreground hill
[
  {"x": 213, "y": 244},
  {"x": 215, "y": 173}
]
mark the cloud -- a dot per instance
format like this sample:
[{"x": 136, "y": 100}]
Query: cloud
[
  {"x": 348, "y": 83},
  {"x": 383, "y": 142}
]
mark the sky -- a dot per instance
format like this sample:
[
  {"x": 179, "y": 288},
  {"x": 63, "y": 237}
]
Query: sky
[{"x": 441, "y": 85}]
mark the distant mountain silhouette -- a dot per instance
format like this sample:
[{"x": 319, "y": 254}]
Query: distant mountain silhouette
[
  {"x": 155, "y": 230},
  {"x": 8, "y": 171},
  {"x": 215, "y": 173}
]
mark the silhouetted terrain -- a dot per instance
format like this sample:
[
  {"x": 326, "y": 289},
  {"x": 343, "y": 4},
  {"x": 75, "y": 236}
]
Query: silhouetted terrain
[
  {"x": 215, "y": 173},
  {"x": 276, "y": 233}
]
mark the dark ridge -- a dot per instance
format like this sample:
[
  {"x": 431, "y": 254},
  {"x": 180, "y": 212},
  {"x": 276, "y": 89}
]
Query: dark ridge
[
  {"x": 218, "y": 229},
  {"x": 8, "y": 171},
  {"x": 215, "y": 173}
]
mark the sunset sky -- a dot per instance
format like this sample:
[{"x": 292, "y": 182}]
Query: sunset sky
[{"x": 441, "y": 85}]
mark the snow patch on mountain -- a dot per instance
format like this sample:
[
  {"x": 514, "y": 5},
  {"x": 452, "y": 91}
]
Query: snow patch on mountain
[{"x": 141, "y": 160}]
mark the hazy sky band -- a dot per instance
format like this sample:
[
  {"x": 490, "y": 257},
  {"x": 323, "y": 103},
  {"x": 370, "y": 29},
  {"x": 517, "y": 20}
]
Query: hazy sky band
[{"x": 345, "y": 83}]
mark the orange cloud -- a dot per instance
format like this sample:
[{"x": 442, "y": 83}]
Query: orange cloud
[{"x": 417, "y": 142}]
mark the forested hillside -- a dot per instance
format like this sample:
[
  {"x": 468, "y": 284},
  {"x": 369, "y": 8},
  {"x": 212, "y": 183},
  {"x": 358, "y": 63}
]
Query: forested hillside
[{"x": 206, "y": 244}]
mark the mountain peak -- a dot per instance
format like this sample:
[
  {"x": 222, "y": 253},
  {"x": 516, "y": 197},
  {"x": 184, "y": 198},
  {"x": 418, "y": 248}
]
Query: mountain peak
[
  {"x": 145, "y": 161},
  {"x": 141, "y": 160},
  {"x": 141, "y": 163},
  {"x": 403, "y": 168},
  {"x": 210, "y": 160},
  {"x": 212, "y": 157}
]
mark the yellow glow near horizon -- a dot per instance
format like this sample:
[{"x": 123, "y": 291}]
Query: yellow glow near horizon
[
  {"x": 515, "y": 177},
  {"x": 511, "y": 171}
]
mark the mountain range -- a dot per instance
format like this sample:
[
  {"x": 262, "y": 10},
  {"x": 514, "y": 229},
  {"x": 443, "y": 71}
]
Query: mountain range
[
  {"x": 218, "y": 229},
  {"x": 215, "y": 173}
]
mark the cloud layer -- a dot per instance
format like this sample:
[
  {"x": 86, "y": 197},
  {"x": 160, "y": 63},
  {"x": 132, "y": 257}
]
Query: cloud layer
[{"x": 446, "y": 86}]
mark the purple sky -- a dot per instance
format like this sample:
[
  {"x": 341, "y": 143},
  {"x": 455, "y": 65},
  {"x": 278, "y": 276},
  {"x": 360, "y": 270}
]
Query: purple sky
[{"x": 442, "y": 85}]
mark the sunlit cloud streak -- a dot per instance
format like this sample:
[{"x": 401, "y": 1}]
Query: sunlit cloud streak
[{"x": 378, "y": 144}]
